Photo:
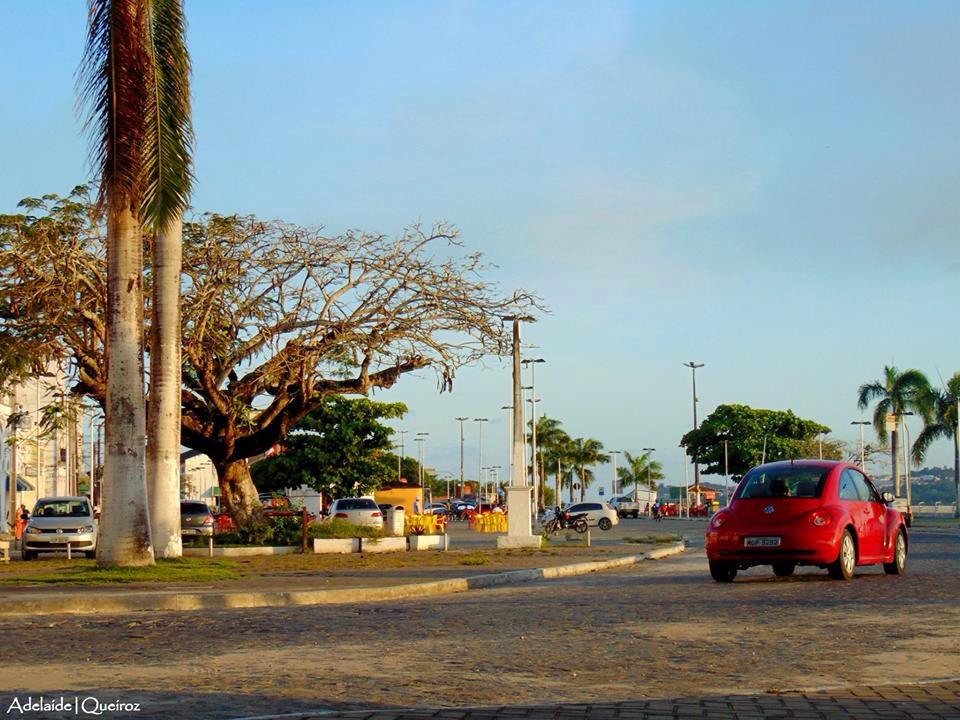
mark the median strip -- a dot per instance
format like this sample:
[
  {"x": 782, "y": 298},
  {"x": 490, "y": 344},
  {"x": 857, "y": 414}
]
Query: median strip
[{"x": 165, "y": 600}]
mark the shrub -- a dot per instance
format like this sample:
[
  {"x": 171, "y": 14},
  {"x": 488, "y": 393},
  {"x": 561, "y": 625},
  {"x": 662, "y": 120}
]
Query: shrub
[{"x": 342, "y": 529}]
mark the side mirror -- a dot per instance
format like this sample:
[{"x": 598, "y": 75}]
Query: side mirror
[{"x": 888, "y": 497}]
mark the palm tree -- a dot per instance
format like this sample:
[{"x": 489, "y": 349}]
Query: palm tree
[
  {"x": 640, "y": 471},
  {"x": 134, "y": 77},
  {"x": 583, "y": 453},
  {"x": 166, "y": 166},
  {"x": 113, "y": 76},
  {"x": 897, "y": 392},
  {"x": 943, "y": 407},
  {"x": 552, "y": 443}
]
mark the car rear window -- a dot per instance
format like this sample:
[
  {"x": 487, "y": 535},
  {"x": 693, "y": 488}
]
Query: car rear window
[
  {"x": 790, "y": 482},
  {"x": 61, "y": 508},
  {"x": 357, "y": 504},
  {"x": 194, "y": 508}
]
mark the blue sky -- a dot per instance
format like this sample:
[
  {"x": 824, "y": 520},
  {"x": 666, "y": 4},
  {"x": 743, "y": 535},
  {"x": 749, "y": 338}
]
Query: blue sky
[{"x": 765, "y": 188}]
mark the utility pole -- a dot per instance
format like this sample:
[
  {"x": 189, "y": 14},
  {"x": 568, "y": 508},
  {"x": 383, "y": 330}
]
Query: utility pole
[
  {"x": 461, "y": 420},
  {"x": 401, "y": 433},
  {"x": 421, "y": 438},
  {"x": 696, "y": 465},
  {"x": 532, "y": 363}
]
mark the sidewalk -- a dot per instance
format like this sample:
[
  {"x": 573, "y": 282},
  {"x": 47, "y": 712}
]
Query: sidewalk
[
  {"x": 350, "y": 583},
  {"x": 939, "y": 700}
]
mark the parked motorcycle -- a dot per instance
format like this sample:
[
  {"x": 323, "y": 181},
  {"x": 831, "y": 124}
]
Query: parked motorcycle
[{"x": 563, "y": 520}]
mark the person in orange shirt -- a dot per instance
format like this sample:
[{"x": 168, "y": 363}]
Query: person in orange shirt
[{"x": 22, "y": 516}]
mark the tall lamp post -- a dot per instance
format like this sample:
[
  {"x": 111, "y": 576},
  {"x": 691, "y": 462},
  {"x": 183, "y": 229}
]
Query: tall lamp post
[
  {"x": 532, "y": 364},
  {"x": 401, "y": 433},
  {"x": 461, "y": 420},
  {"x": 906, "y": 454},
  {"x": 613, "y": 458},
  {"x": 480, "y": 422},
  {"x": 421, "y": 438},
  {"x": 696, "y": 465},
  {"x": 861, "y": 423}
]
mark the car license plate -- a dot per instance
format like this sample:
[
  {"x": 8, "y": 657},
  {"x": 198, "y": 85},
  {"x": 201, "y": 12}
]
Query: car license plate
[
  {"x": 59, "y": 539},
  {"x": 761, "y": 542}
]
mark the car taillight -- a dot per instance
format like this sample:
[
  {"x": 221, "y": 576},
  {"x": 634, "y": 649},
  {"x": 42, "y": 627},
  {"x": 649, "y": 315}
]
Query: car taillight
[
  {"x": 719, "y": 519},
  {"x": 376, "y": 514},
  {"x": 341, "y": 515},
  {"x": 208, "y": 520},
  {"x": 821, "y": 519}
]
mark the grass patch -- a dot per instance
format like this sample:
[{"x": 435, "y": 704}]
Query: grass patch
[
  {"x": 474, "y": 560},
  {"x": 652, "y": 539},
  {"x": 85, "y": 572}
]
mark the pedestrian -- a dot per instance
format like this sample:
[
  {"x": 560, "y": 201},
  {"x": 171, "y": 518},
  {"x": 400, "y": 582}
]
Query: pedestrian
[
  {"x": 646, "y": 509},
  {"x": 416, "y": 506},
  {"x": 22, "y": 516}
]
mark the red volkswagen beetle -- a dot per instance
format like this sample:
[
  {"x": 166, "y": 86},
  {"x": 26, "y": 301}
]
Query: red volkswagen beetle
[{"x": 806, "y": 512}]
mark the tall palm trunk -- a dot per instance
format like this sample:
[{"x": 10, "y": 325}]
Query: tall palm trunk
[
  {"x": 895, "y": 461},
  {"x": 583, "y": 485},
  {"x": 956, "y": 471},
  {"x": 163, "y": 447},
  {"x": 124, "y": 534}
]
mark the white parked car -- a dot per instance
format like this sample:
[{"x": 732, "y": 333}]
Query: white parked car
[
  {"x": 358, "y": 511},
  {"x": 599, "y": 514},
  {"x": 57, "y": 521}
]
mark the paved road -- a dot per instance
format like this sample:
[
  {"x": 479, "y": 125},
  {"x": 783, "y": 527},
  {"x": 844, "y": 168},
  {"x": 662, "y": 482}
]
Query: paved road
[{"x": 659, "y": 630}]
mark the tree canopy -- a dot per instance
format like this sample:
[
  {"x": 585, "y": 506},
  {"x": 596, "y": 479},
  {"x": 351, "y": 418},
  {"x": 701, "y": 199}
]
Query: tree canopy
[
  {"x": 787, "y": 437},
  {"x": 337, "y": 448},
  {"x": 275, "y": 317}
]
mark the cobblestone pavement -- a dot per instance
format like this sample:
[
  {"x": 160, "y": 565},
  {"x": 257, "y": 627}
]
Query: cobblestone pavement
[
  {"x": 928, "y": 701},
  {"x": 656, "y": 630}
]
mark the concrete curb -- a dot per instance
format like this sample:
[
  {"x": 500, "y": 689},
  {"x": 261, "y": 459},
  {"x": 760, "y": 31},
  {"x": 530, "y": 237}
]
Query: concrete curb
[{"x": 164, "y": 600}]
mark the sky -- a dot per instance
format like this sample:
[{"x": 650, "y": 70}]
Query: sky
[{"x": 766, "y": 188}]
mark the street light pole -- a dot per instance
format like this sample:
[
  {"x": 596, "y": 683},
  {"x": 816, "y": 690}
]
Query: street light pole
[
  {"x": 696, "y": 465},
  {"x": 421, "y": 438},
  {"x": 461, "y": 420},
  {"x": 906, "y": 456},
  {"x": 509, "y": 409},
  {"x": 401, "y": 433},
  {"x": 480, "y": 422},
  {"x": 613, "y": 458},
  {"x": 532, "y": 363},
  {"x": 861, "y": 423},
  {"x": 726, "y": 470}
]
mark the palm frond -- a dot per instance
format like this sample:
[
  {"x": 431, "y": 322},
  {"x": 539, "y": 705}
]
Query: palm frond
[
  {"x": 868, "y": 392},
  {"x": 884, "y": 408},
  {"x": 168, "y": 136},
  {"x": 112, "y": 85},
  {"x": 926, "y": 438}
]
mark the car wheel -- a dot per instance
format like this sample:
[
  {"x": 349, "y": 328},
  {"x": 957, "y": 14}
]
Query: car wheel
[
  {"x": 899, "y": 564},
  {"x": 580, "y": 525},
  {"x": 784, "y": 569},
  {"x": 723, "y": 571},
  {"x": 636, "y": 515},
  {"x": 843, "y": 567},
  {"x": 27, "y": 555},
  {"x": 605, "y": 524}
]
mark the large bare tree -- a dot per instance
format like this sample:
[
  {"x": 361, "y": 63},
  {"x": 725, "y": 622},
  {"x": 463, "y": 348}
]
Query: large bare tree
[{"x": 275, "y": 317}]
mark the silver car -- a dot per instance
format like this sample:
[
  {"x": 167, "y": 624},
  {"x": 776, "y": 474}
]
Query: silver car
[
  {"x": 57, "y": 522},
  {"x": 358, "y": 511}
]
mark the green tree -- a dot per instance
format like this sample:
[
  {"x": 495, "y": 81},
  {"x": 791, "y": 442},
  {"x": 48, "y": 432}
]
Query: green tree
[
  {"x": 941, "y": 408},
  {"x": 752, "y": 435},
  {"x": 338, "y": 448},
  {"x": 640, "y": 471},
  {"x": 583, "y": 453},
  {"x": 895, "y": 393}
]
